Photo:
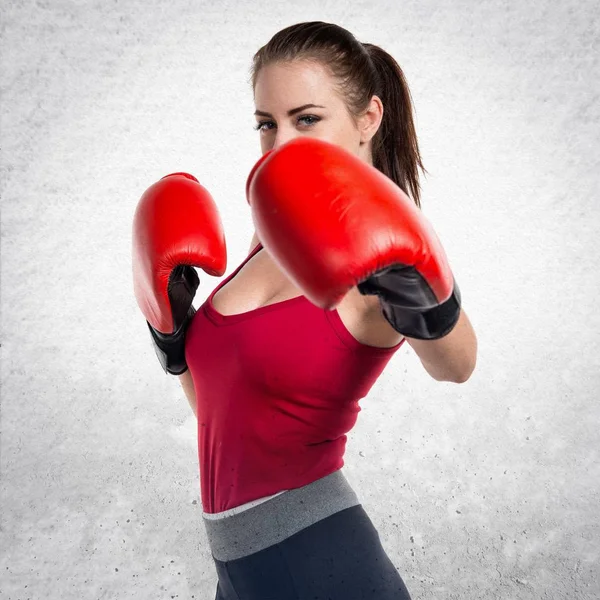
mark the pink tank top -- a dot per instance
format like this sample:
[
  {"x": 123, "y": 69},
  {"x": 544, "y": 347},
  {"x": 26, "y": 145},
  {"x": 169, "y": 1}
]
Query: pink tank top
[{"x": 277, "y": 389}]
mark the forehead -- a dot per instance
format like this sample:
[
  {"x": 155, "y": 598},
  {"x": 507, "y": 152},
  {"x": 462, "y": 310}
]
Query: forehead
[{"x": 299, "y": 81}]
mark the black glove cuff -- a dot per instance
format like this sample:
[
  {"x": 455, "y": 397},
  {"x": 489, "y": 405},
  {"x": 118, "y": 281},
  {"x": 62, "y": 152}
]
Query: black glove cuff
[
  {"x": 430, "y": 324},
  {"x": 170, "y": 347}
]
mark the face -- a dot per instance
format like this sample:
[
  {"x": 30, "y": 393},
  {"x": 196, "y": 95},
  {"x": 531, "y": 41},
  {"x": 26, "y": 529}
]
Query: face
[{"x": 299, "y": 98}]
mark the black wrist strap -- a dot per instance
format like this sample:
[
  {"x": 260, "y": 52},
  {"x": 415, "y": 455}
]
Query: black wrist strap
[
  {"x": 430, "y": 324},
  {"x": 170, "y": 347}
]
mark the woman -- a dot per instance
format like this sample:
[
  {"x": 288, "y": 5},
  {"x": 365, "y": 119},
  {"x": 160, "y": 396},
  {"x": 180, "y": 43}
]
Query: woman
[{"x": 275, "y": 380}]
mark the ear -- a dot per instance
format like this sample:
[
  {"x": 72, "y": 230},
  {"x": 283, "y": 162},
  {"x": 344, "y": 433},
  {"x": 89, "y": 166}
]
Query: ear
[{"x": 370, "y": 120}]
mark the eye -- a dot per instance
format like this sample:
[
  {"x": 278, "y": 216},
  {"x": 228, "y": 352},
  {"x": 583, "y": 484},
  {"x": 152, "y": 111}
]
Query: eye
[
  {"x": 309, "y": 119},
  {"x": 262, "y": 125}
]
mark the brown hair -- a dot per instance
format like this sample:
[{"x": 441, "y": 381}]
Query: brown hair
[{"x": 363, "y": 70}]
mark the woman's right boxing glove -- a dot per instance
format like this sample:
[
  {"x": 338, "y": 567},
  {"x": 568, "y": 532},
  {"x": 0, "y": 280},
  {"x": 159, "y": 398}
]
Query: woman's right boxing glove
[{"x": 176, "y": 227}]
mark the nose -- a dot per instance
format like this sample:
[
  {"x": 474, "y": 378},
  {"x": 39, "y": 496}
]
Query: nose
[{"x": 283, "y": 136}]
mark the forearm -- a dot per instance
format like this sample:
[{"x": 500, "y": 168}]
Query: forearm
[
  {"x": 187, "y": 384},
  {"x": 451, "y": 358}
]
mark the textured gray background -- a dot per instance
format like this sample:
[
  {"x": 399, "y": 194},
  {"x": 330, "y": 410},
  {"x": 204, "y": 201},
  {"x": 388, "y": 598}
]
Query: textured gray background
[{"x": 483, "y": 490}]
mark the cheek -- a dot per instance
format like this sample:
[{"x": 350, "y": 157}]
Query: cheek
[
  {"x": 266, "y": 143},
  {"x": 346, "y": 136}
]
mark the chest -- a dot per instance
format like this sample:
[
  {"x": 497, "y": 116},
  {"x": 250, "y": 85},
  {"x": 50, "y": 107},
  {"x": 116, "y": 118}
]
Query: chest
[{"x": 260, "y": 282}]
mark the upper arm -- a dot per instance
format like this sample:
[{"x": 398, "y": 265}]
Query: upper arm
[
  {"x": 187, "y": 383},
  {"x": 452, "y": 357}
]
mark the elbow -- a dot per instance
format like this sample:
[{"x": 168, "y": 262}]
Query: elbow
[
  {"x": 450, "y": 377},
  {"x": 462, "y": 378},
  {"x": 464, "y": 374},
  {"x": 457, "y": 373},
  {"x": 469, "y": 362}
]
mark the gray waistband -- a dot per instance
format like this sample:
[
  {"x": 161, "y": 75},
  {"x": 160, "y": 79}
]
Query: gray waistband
[{"x": 276, "y": 519}]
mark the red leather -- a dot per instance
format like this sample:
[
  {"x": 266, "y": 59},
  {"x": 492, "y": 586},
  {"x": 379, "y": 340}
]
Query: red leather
[
  {"x": 176, "y": 222},
  {"x": 330, "y": 221}
]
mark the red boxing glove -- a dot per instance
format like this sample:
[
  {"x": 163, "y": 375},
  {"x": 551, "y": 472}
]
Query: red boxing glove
[
  {"x": 331, "y": 221},
  {"x": 176, "y": 227}
]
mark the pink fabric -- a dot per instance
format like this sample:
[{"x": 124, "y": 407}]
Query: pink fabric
[{"x": 277, "y": 389}]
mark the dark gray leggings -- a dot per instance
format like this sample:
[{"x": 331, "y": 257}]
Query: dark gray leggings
[{"x": 339, "y": 557}]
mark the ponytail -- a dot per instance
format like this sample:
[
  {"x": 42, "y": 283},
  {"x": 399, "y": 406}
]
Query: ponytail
[{"x": 395, "y": 147}]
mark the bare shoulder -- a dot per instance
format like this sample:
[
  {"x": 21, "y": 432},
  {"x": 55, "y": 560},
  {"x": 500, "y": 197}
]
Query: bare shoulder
[{"x": 363, "y": 318}]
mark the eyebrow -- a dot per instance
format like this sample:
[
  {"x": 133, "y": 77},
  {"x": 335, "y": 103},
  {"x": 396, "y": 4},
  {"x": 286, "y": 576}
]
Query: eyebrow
[{"x": 260, "y": 113}]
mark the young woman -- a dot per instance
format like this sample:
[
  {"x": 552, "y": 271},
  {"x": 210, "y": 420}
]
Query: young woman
[{"x": 275, "y": 379}]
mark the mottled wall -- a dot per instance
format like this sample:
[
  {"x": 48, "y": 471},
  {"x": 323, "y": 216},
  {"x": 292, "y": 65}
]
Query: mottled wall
[{"x": 485, "y": 490}]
